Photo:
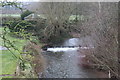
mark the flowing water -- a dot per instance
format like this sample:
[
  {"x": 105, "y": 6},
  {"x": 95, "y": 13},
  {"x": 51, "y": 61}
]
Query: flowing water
[{"x": 64, "y": 62}]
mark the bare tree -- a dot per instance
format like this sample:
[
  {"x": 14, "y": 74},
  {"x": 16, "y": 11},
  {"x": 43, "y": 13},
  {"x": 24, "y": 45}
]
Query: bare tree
[
  {"x": 56, "y": 13},
  {"x": 102, "y": 28}
]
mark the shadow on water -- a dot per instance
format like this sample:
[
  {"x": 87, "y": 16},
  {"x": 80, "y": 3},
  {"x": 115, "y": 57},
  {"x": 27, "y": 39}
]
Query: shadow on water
[{"x": 65, "y": 63}]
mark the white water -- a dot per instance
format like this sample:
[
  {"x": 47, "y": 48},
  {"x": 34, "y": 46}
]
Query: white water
[
  {"x": 66, "y": 49},
  {"x": 62, "y": 49}
]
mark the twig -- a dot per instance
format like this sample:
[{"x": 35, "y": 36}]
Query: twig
[{"x": 106, "y": 66}]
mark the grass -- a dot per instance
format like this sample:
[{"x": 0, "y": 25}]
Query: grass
[
  {"x": 9, "y": 62},
  {"x": 12, "y": 15}
]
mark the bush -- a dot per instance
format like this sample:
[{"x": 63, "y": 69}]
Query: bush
[
  {"x": 17, "y": 26},
  {"x": 7, "y": 19}
]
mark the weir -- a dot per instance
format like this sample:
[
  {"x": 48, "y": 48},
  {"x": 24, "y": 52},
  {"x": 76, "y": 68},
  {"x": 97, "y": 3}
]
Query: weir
[{"x": 63, "y": 48}]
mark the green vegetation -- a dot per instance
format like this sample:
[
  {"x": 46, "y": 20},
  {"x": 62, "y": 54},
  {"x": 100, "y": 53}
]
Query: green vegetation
[
  {"x": 9, "y": 15},
  {"x": 9, "y": 61},
  {"x": 13, "y": 4},
  {"x": 10, "y": 58},
  {"x": 79, "y": 17}
]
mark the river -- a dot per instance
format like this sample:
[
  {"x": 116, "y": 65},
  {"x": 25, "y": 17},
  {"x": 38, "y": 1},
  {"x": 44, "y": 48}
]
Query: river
[{"x": 64, "y": 62}]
